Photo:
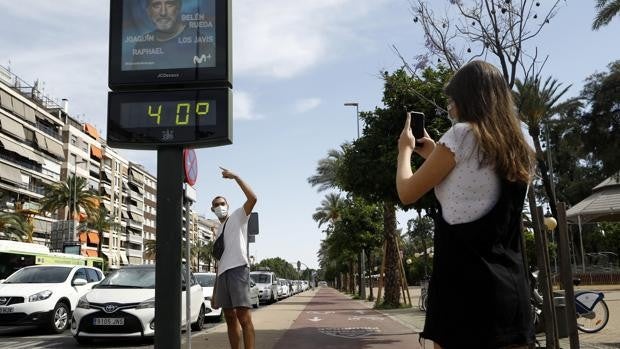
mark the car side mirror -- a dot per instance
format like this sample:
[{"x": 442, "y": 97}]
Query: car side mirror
[{"x": 79, "y": 282}]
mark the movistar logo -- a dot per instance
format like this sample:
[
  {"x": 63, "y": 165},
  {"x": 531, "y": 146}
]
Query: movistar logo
[{"x": 201, "y": 59}]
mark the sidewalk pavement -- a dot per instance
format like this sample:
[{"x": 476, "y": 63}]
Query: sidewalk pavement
[
  {"x": 323, "y": 318},
  {"x": 608, "y": 337}
]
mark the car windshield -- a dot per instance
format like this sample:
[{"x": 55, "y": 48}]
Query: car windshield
[
  {"x": 261, "y": 278},
  {"x": 205, "y": 280},
  {"x": 130, "y": 278},
  {"x": 39, "y": 275}
]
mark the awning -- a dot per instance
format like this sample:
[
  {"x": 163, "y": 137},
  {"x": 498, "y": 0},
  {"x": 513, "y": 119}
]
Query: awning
[
  {"x": 55, "y": 148},
  {"x": 30, "y": 115},
  {"x": 10, "y": 173},
  {"x": 136, "y": 175},
  {"x": 110, "y": 255},
  {"x": 91, "y": 253},
  {"x": 124, "y": 260},
  {"x": 82, "y": 237},
  {"x": 18, "y": 107},
  {"x": 106, "y": 191},
  {"x": 136, "y": 188},
  {"x": 106, "y": 176},
  {"x": 124, "y": 214},
  {"x": 91, "y": 131},
  {"x": 20, "y": 150},
  {"x": 136, "y": 217},
  {"x": 93, "y": 238},
  {"x": 6, "y": 101},
  {"x": 108, "y": 206},
  {"x": 96, "y": 152},
  {"x": 41, "y": 141},
  {"x": 13, "y": 127}
]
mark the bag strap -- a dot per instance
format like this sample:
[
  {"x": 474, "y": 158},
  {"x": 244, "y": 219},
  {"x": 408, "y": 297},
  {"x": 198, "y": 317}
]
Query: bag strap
[{"x": 224, "y": 227}]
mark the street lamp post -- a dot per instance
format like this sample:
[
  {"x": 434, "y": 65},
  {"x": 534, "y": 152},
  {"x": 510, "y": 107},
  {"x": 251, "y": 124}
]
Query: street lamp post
[
  {"x": 357, "y": 112},
  {"x": 362, "y": 266}
]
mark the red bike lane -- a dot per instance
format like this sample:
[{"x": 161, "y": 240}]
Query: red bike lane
[{"x": 334, "y": 321}]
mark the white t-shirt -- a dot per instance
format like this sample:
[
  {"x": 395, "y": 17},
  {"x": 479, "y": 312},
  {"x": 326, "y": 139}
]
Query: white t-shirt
[
  {"x": 470, "y": 190},
  {"x": 235, "y": 241}
]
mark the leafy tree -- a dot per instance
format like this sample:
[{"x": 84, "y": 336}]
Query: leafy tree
[
  {"x": 420, "y": 232},
  {"x": 72, "y": 193},
  {"x": 280, "y": 267},
  {"x": 602, "y": 121},
  {"x": 368, "y": 167},
  {"x": 606, "y": 10}
]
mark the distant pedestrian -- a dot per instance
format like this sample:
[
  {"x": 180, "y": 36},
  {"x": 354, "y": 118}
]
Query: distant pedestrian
[
  {"x": 480, "y": 169},
  {"x": 232, "y": 289}
]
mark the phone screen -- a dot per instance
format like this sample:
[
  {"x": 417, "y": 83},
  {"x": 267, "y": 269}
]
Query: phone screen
[{"x": 417, "y": 125}]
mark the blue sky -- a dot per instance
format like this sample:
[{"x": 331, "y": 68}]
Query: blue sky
[{"x": 295, "y": 64}]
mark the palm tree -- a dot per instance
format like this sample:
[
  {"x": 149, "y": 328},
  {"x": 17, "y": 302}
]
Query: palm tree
[
  {"x": 13, "y": 226},
  {"x": 536, "y": 104},
  {"x": 101, "y": 222},
  {"x": 326, "y": 171},
  {"x": 330, "y": 209},
  {"x": 149, "y": 249},
  {"x": 606, "y": 10},
  {"x": 73, "y": 194},
  {"x": 202, "y": 252}
]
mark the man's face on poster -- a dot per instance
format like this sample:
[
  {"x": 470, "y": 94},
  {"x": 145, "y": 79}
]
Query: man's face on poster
[{"x": 164, "y": 14}]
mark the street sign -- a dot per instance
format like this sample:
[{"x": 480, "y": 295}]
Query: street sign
[
  {"x": 188, "y": 43},
  {"x": 253, "y": 224},
  {"x": 190, "y": 165}
]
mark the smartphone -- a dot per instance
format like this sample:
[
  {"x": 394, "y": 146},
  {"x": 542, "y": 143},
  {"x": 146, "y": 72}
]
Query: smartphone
[{"x": 417, "y": 126}]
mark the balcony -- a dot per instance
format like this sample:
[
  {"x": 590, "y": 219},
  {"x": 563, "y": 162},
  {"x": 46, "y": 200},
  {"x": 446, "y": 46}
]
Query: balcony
[
  {"x": 134, "y": 253},
  {"x": 50, "y": 131},
  {"x": 134, "y": 224},
  {"x": 135, "y": 238}
]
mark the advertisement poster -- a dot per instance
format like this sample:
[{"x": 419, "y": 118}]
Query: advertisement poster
[{"x": 168, "y": 34}]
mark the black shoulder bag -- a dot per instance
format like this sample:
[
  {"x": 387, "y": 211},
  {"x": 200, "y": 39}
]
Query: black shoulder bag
[{"x": 218, "y": 245}]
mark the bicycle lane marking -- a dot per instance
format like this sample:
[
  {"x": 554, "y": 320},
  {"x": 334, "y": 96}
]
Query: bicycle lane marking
[{"x": 334, "y": 321}]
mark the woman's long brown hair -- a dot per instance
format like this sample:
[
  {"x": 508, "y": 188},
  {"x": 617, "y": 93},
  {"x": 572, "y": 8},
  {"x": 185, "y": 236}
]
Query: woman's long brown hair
[{"x": 482, "y": 98}]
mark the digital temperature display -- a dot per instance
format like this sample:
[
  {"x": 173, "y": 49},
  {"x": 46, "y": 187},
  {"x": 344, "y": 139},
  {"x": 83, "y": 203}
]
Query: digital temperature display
[{"x": 150, "y": 119}]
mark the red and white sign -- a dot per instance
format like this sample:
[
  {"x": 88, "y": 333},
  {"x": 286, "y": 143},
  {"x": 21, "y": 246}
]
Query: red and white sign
[{"x": 190, "y": 164}]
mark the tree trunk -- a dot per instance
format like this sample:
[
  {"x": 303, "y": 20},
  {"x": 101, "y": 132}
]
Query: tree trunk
[
  {"x": 351, "y": 277},
  {"x": 392, "y": 277},
  {"x": 360, "y": 277},
  {"x": 371, "y": 297},
  {"x": 544, "y": 170}
]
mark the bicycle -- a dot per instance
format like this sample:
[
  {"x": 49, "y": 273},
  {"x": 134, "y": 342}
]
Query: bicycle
[{"x": 592, "y": 310}]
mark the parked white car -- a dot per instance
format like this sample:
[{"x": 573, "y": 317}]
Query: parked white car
[
  {"x": 45, "y": 295},
  {"x": 267, "y": 284},
  {"x": 286, "y": 289},
  {"x": 254, "y": 294},
  {"x": 207, "y": 280},
  {"x": 123, "y": 306}
]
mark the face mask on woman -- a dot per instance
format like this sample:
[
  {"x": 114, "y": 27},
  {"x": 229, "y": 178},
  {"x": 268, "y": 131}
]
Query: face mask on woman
[{"x": 221, "y": 211}]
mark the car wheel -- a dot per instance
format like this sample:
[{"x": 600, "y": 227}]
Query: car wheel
[
  {"x": 83, "y": 340},
  {"x": 59, "y": 318},
  {"x": 197, "y": 326}
]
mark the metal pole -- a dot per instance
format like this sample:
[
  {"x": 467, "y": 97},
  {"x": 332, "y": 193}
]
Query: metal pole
[
  {"x": 168, "y": 248},
  {"x": 188, "y": 283},
  {"x": 357, "y": 110},
  {"x": 583, "y": 255},
  {"x": 566, "y": 275}
]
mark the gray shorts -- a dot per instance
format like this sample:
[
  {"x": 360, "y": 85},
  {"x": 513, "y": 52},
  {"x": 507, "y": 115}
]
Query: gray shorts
[{"x": 233, "y": 288}]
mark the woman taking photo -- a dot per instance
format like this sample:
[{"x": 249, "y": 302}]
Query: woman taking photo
[{"x": 480, "y": 168}]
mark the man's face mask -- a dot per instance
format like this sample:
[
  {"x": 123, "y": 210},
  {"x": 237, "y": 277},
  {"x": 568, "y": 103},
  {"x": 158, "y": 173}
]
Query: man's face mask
[{"x": 221, "y": 211}]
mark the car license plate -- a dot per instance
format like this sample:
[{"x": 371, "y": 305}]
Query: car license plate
[
  {"x": 6, "y": 310},
  {"x": 105, "y": 321}
]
